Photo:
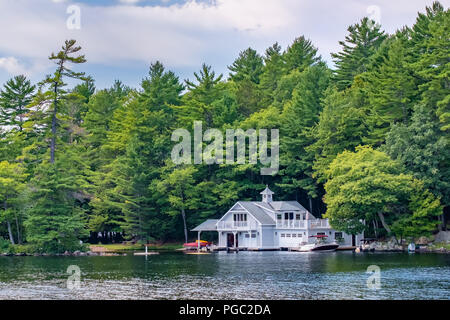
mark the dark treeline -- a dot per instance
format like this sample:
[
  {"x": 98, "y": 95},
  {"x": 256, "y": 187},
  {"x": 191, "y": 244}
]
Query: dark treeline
[{"x": 368, "y": 140}]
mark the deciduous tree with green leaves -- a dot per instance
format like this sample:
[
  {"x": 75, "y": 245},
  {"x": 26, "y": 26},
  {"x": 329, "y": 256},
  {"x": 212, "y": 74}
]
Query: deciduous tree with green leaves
[{"x": 367, "y": 185}]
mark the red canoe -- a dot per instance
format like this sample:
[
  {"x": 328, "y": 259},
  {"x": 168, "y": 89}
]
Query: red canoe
[{"x": 195, "y": 244}]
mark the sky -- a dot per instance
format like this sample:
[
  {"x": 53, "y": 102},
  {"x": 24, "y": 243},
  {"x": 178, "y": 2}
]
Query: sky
[{"x": 120, "y": 38}]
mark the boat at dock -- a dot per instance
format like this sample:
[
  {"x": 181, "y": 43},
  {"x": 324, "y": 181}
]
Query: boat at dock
[{"x": 319, "y": 246}]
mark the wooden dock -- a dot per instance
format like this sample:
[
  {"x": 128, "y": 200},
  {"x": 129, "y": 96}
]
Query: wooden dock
[{"x": 348, "y": 248}]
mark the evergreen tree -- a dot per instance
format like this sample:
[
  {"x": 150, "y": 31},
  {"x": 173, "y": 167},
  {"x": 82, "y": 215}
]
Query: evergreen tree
[
  {"x": 423, "y": 149},
  {"x": 391, "y": 90},
  {"x": 272, "y": 72},
  {"x": 54, "y": 222},
  {"x": 140, "y": 139},
  {"x": 12, "y": 178},
  {"x": 56, "y": 85},
  {"x": 360, "y": 44},
  {"x": 341, "y": 127},
  {"x": 199, "y": 101},
  {"x": 14, "y": 97},
  {"x": 248, "y": 66},
  {"x": 300, "y": 55},
  {"x": 432, "y": 66},
  {"x": 299, "y": 116}
]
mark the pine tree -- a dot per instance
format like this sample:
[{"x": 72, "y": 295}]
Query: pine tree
[
  {"x": 138, "y": 139},
  {"x": 391, "y": 90},
  {"x": 14, "y": 97},
  {"x": 54, "y": 221},
  {"x": 360, "y": 44},
  {"x": 299, "y": 116},
  {"x": 297, "y": 58},
  {"x": 300, "y": 55},
  {"x": 272, "y": 72},
  {"x": 56, "y": 84},
  {"x": 248, "y": 66},
  {"x": 199, "y": 101},
  {"x": 341, "y": 127},
  {"x": 432, "y": 66}
]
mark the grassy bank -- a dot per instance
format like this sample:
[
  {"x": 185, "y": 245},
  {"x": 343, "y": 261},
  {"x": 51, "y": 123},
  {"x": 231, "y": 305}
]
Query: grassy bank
[{"x": 119, "y": 247}]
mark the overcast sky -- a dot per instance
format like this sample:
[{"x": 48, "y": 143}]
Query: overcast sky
[{"x": 120, "y": 38}]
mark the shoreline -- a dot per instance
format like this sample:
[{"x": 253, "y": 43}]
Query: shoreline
[{"x": 425, "y": 250}]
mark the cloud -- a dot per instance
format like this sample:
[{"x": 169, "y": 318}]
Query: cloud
[
  {"x": 12, "y": 66},
  {"x": 183, "y": 35},
  {"x": 129, "y": 1}
]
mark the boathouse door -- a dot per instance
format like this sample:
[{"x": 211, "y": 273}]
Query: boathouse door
[
  {"x": 353, "y": 240},
  {"x": 230, "y": 240}
]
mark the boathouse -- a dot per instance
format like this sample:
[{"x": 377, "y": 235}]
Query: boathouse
[{"x": 271, "y": 225}]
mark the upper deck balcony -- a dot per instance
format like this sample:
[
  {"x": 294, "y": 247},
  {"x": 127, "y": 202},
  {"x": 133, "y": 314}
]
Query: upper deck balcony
[{"x": 303, "y": 224}]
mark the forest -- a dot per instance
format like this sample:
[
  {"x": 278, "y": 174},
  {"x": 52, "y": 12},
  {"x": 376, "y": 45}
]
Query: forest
[{"x": 364, "y": 143}]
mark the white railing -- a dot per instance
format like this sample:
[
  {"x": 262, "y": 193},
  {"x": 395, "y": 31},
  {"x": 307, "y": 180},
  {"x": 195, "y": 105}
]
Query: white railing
[
  {"x": 237, "y": 225},
  {"x": 319, "y": 223},
  {"x": 297, "y": 224},
  {"x": 303, "y": 224}
]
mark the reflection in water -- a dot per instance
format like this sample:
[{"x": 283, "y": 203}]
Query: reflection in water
[{"x": 244, "y": 275}]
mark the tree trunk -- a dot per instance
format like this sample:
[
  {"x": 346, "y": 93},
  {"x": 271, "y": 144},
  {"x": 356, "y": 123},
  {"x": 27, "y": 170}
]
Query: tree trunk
[
  {"x": 11, "y": 238},
  {"x": 385, "y": 226},
  {"x": 19, "y": 241},
  {"x": 183, "y": 215},
  {"x": 53, "y": 140},
  {"x": 441, "y": 222},
  {"x": 375, "y": 229}
]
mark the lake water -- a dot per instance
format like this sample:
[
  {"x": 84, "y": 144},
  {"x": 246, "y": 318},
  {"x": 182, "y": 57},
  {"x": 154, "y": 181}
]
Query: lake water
[{"x": 243, "y": 275}]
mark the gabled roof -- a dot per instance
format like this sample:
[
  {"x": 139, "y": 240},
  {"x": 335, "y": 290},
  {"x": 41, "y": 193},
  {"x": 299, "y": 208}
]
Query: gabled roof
[
  {"x": 287, "y": 205},
  {"x": 284, "y": 206},
  {"x": 208, "y": 225},
  {"x": 258, "y": 213}
]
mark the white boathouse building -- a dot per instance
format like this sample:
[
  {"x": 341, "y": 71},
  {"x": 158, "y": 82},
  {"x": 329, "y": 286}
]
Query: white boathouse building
[{"x": 271, "y": 225}]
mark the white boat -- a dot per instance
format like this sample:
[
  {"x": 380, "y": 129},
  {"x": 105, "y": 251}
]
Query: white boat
[{"x": 319, "y": 246}]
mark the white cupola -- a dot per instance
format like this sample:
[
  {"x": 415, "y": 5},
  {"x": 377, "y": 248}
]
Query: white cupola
[{"x": 267, "y": 195}]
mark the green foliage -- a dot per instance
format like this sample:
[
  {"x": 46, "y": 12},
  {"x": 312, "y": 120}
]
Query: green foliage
[
  {"x": 14, "y": 97},
  {"x": 360, "y": 44},
  {"x": 391, "y": 90},
  {"x": 54, "y": 223},
  {"x": 248, "y": 66},
  {"x": 367, "y": 185},
  {"x": 366, "y": 143},
  {"x": 299, "y": 117},
  {"x": 300, "y": 55},
  {"x": 341, "y": 127},
  {"x": 423, "y": 149}
]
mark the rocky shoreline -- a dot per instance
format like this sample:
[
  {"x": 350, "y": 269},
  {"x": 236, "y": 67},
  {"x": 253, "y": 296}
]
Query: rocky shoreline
[{"x": 439, "y": 243}]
